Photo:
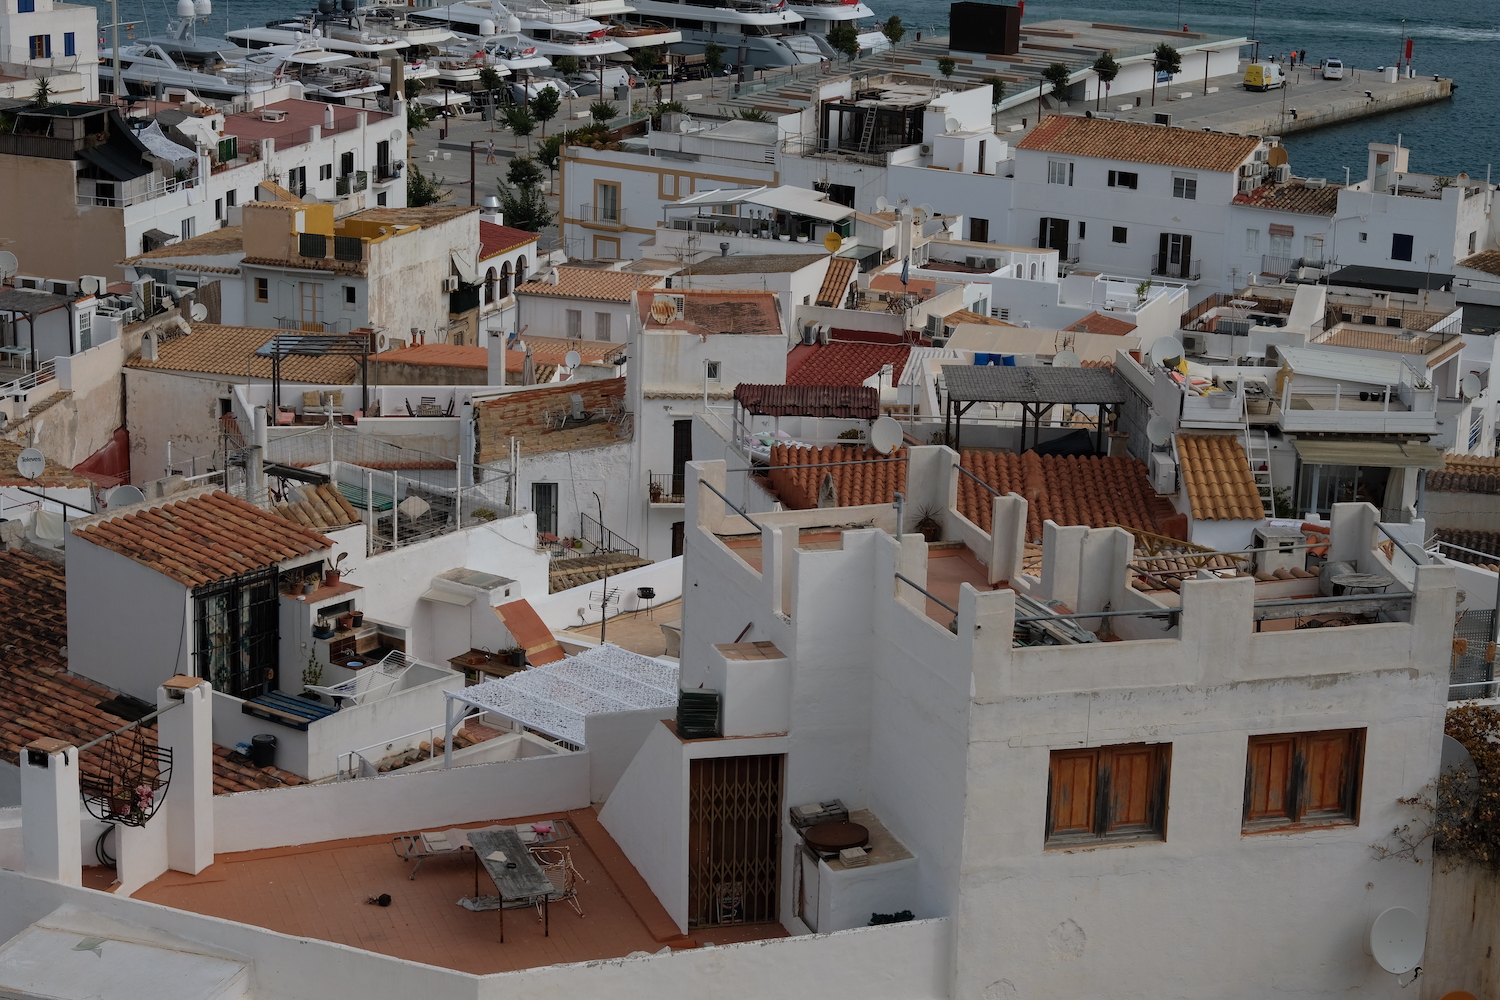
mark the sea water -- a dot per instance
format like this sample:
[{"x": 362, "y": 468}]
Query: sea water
[{"x": 1453, "y": 38}]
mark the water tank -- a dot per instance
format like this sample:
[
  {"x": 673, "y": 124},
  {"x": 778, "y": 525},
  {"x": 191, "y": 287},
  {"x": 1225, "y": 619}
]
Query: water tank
[{"x": 184, "y": 8}]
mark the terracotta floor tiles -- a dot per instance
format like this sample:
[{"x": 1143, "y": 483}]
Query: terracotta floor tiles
[
  {"x": 947, "y": 570},
  {"x": 320, "y": 891}
]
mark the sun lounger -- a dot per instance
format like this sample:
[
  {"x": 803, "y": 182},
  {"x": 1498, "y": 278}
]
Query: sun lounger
[{"x": 419, "y": 847}]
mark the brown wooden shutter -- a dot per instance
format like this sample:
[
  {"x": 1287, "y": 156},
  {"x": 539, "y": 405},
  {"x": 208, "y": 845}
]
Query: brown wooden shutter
[
  {"x": 1268, "y": 778},
  {"x": 1130, "y": 781},
  {"x": 1072, "y": 779}
]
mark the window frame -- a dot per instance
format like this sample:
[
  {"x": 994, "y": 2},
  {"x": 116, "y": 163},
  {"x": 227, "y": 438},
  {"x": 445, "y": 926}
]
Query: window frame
[
  {"x": 602, "y": 326},
  {"x": 263, "y": 289},
  {"x": 1096, "y": 821},
  {"x": 1252, "y": 241},
  {"x": 40, "y": 46},
  {"x": 573, "y": 323},
  {"x": 1119, "y": 235},
  {"x": 616, "y": 207},
  {"x": 1060, "y": 172},
  {"x": 70, "y": 44},
  {"x": 1185, "y": 187},
  {"x": 26, "y": 7},
  {"x": 1292, "y": 810},
  {"x": 1411, "y": 246},
  {"x": 1125, "y": 179}
]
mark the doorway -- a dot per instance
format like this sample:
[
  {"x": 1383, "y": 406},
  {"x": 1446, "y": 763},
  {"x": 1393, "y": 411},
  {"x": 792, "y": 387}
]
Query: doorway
[
  {"x": 734, "y": 840},
  {"x": 682, "y": 453},
  {"x": 677, "y": 538},
  {"x": 544, "y": 503}
]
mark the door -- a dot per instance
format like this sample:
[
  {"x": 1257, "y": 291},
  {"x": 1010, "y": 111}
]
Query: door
[
  {"x": 1053, "y": 234},
  {"x": 544, "y": 503},
  {"x": 235, "y": 635},
  {"x": 677, "y": 537},
  {"x": 734, "y": 840},
  {"x": 310, "y": 295},
  {"x": 682, "y": 453},
  {"x": 979, "y": 230},
  {"x": 1175, "y": 259}
]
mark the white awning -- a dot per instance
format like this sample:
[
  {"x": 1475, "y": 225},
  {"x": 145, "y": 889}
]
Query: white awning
[
  {"x": 1369, "y": 454},
  {"x": 798, "y": 201},
  {"x": 1346, "y": 367},
  {"x": 157, "y": 142}
]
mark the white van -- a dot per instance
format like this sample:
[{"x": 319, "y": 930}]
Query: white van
[{"x": 1333, "y": 69}]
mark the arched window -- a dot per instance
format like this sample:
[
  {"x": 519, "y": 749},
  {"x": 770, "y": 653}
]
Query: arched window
[
  {"x": 1033, "y": 270},
  {"x": 520, "y": 270},
  {"x": 505, "y": 279},
  {"x": 489, "y": 287}
]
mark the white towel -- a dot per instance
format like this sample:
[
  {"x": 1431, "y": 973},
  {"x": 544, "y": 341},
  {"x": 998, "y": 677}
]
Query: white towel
[{"x": 496, "y": 856}]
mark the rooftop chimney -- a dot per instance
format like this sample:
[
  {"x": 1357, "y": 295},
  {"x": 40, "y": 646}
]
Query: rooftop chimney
[
  {"x": 148, "y": 346},
  {"x": 328, "y": 121}
]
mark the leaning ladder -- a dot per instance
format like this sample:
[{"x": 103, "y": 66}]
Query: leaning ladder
[
  {"x": 869, "y": 131},
  {"x": 1258, "y": 451}
]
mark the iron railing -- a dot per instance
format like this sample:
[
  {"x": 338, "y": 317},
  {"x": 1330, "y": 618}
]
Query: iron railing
[
  {"x": 665, "y": 487},
  {"x": 1182, "y": 269},
  {"x": 352, "y": 183},
  {"x": 603, "y": 215},
  {"x": 598, "y": 538}
]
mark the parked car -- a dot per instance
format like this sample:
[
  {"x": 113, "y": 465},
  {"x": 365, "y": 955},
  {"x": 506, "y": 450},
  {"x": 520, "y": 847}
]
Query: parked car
[
  {"x": 1333, "y": 69},
  {"x": 1264, "y": 76}
]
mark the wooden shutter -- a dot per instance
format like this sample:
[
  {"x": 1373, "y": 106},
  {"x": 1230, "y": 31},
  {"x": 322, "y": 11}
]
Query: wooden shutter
[
  {"x": 1161, "y": 266},
  {"x": 1327, "y": 760},
  {"x": 1268, "y": 777},
  {"x": 1187, "y": 257},
  {"x": 1072, "y": 792},
  {"x": 1130, "y": 776},
  {"x": 1044, "y": 230}
]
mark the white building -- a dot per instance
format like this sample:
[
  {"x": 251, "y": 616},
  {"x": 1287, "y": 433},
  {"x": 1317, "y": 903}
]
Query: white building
[{"x": 58, "y": 42}]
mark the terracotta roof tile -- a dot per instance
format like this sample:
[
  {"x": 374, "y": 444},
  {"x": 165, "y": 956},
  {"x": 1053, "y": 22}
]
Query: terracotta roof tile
[
  {"x": 713, "y": 312},
  {"x": 214, "y": 243},
  {"x": 1216, "y": 476},
  {"x": 1487, "y": 261},
  {"x": 970, "y": 316},
  {"x": 525, "y": 414},
  {"x": 591, "y": 284},
  {"x": 1472, "y": 464},
  {"x": 38, "y": 697},
  {"x": 427, "y": 215},
  {"x": 870, "y": 482},
  {"x": 230, "y": 350},
  {"x": 203, "y": 538},
  {"x": 845, "y": 401},
  {"x": 845, "y": 363},
  {"x": 495, "y": 240},
  {"x": 54, "y": 474},
  {"x": 321, "y": 507},
  {"x": 1479, "y": 541},
  {"x": 1139, "y": 142},
  {"x": 836, "y": 282},
  {"x": 1067, "y": 490},
  {"x": 1097, "y": 322},
  {"x": 554, "y": 350},
  {"x": 922, "y": 288},
  {"x": 445, "y": 355},
  {"x": 1293, "y": 197}
]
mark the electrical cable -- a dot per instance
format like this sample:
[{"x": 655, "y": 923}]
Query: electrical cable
[{"x": 100, "y": 853}]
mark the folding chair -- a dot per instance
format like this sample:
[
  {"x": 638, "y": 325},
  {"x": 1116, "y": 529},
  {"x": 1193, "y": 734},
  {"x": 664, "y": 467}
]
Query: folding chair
[{"x": 557, "y": 864}]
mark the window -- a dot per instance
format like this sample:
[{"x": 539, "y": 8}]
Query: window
[
  {"x": 1185, "y": 187},
  {"x": 41, "y": 46},
  {"x": 505, "y": 279},
  {"x": 70, "y": 43},
  {"x": 982, "y": 149},
  {"x": 1303, "y": 780},
  {"x": 296, "y": 181},
  {"x": 1124, "y": 179},
  {"x": 711, "y": 370},
  {"x": 1401, "y": 246},
  {"x": 262, "y": 289},
  {"x": 841, "y": 194},
  {"x": 380, "y": 199},
  {"x": 601, "y": 326},
  {"x": 86, "y": 338},
  {"x": 230, "y": 197},
  {"x": 979, "y": 230},
  {"x": 1117, "y": 235},
  {"x": 218, "y": 208},
  {"x": 226, "y": 406},
  {"x": 1473, "y": 240},
  {"x": 1082, "y": 229},
  {"x": 26, "y": 7},
  {"x": 346, "y": 163},
  {"x": 1252, "y": 241},
  {"x": 235, "y": 639},
  {"x": 351, "y": 297},
  {"x": 575, "y": 323},
  {"x": 607, "y": 202},
  {"x": 1108, "y": 794},
  {"x": 311, "y": 294},
  {"x": 189, "y": 228},
  {"x": 1281, "y": 246},
  {"x": 1364, "y": 237},
  {"x": 325, "y": 172},
  {"x": 544, "y": 502},
  {"x": 1060, "y": 172},
  {"x": 1476, "y": 420}
]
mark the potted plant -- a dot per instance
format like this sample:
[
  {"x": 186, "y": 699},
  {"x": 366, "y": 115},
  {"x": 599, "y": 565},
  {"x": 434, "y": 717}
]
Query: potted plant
[
  {"x": 323, "y": 629},
  {"x": 928, "y": 523},
  {"x": 516, "y": 655},
  {"x": 312, "y": 676},
  {"x": 346, "y": 622},
  {"x": 656, "y": 492},
  {"x": 331, "y": 573},
  {"x": 356, "y": 618}
]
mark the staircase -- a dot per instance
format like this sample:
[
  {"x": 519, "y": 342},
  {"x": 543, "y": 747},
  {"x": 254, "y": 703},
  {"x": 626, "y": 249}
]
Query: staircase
[{"x": 1258, "y": 451}]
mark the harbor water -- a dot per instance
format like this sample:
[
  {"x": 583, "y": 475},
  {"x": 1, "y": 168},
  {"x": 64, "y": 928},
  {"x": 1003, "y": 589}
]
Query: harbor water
[{"x": 1452, "y": 38}]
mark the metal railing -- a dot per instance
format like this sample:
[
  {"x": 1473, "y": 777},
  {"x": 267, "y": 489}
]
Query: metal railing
[
  {"x": 602, "y": 538},
  {"x": 156, "y": 189},
  {"x": 45, "y": 372},
  {"x": 1185, "y": 270},
  {"x": 604, "y": 215},
  {"x": 665, "y": 487},
  {"x": 360, "y": 763},
  {"x": 352, "y": 183}
]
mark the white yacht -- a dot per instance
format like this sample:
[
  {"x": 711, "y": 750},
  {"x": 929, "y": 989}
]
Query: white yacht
[
  {"x": 770, "y": 31},
  {"x": 210, "y": 67},
  {"x": 329, "y": 76},
  {"x": 552, "y": 31},
  {"x": 819, "y": 17},
  {"x": 376, "y": 32},
  {"x": 507, "y": 53}
]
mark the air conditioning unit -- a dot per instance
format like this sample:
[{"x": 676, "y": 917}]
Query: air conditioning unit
[
  {"x": 385, "y": 342},
  {"x": 450, "y": 283},
  {"x": 1195, "y": 344},
  {"x": 22, "y": 282},
  {"x": 1247, "y": 184},
  {"x": 1161, "y": 118},
  {"x": 1317, "y": 182},
  {"x": 143, "y": 292},
  {"x": 272, "y": 116},
  {"x": 925, "y": 149},
  {"x": 976, "y": 262},
  {"x": 934, "y": 325},
  {"x": 809, "y": 334},
  {"x": 1163, "y": 473},
  {"x": 62, "y": 287},
  {"x": 992, "y": 263},
  {"x": 1283, "y": 173}
]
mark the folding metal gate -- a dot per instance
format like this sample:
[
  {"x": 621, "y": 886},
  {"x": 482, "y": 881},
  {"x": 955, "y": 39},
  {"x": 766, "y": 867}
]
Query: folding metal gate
[
  {"x": 1475, "y": 664},
  {"x": 734, "y": 840}
]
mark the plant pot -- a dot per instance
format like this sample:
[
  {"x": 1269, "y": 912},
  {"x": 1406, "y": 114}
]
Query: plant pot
[
  {"x": 518, "y": 658},
  {"x": 331, "y": 578},
  {"x": 930, "y": 529},
  {"x": 356, "y": 618},
  {"x": 309, "y": 695},
  {"x": 346, "y": 622},
  {"x": 308, "y": 586}
]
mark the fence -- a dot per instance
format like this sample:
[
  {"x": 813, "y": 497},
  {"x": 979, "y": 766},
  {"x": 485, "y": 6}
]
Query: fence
[
  {"x": 1186, "y": 270},
  {"x": 599, "y": 538},
  {"x": 365, "y": 762}
]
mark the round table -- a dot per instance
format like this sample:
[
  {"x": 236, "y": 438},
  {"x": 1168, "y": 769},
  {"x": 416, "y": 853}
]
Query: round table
[
  {"x": 1369, "y": 582},
  {"x": 835, "y": 836}
]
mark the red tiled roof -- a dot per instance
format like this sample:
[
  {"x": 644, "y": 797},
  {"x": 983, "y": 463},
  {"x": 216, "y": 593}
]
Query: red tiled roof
[
  {"x": 712, "y": 312},
  {"x": 1216, "y": 476},
  {"x": 1097, "y": 322},
  {"x": 39, "y": 698},
  {"x": 524, "y": 414},
  {"x": 203, "y": 538},
  {"x": 446, "y": 355},
  {"x": 844, "y": 363},
  {"x": 554, "y": 351},
  {"x": 1067, "y": 490},
  {"x": 589, "y": 283},
  {"x": 300, "y": 116},
  {"x": 836, "y": 282},
  {"x": 495, "y": 240},
  {"x": 857, "y": 402},
  {"x": 922, "y": 288},
  {"x": 1139, "y": 142},
  {"x": 870, "y": 482},
  {"x": 1295, "y": 197}
]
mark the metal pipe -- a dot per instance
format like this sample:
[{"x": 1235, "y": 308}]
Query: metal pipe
[
  {"x": 129, "y": 725},
  {"x": 816, "y": 465},
  {"x": 976, "y": 479},
  {"x": 1157, "y": 613},
  {"x": 928, "y": 594},
  {"x": 730, "y": 504}
]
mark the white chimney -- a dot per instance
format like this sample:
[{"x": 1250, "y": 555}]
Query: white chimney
[
  {"x": 148, "y": 346},
  {"x": 491, "y": 211},
  {"x": 328, "y": 121}
]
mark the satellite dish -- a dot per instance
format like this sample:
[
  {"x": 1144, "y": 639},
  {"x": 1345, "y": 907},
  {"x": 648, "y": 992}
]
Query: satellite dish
[
  {"x": 8, "y": 264},
  {"x": 885, "y": 434},
  {"x": 89, "y": 285},
  {"x": 1397, "y": 939},
  {"x": 1164, "y": 349},
  {"x": 1472, "y": 387},
  {"x": 881, "y": 205},
  {"x": 926, "y": 209},
  {"x": 31, "y": 463},
  {"x": 125, "y": 496},
  {"x": 952, "y": 125},
  {"x": 832, "y": 242},
  {"x": 199, "y": 312},
  {"x": 395, "y": 135},
  {"x": 1159, "y": 431},
  {"x": 1456, "y": 757},
  {"x": 572, "y": 359},
  {"x": 1276, "y": 156},
  {"x": 1066, "y": 359}
]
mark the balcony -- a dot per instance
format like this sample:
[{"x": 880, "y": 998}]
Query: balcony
[
  {"x": 127, "y": 193},
  {"x": 610, "y": 218},
  {"x": 1357, "y": 409},
  {"x": 353, "y": 183},
  {"x": 1283, "y": 266},
  {"x": 1183, "y": 270},
  {"x": 387, "y": 172},
  {"x": 665, "y": 488}
]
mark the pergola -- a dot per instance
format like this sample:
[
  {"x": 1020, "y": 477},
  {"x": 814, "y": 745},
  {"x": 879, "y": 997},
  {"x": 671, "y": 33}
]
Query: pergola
[
  {"x": 317, "y": 345},
  {"x": 1036, "y": 389},
  {"x": 31, "y": 303}
]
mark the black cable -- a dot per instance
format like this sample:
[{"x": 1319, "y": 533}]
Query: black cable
[{"x": 100, "y": 853}]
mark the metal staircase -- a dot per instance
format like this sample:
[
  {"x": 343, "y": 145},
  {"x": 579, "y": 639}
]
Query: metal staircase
[{"x": 1258, "y": 451}]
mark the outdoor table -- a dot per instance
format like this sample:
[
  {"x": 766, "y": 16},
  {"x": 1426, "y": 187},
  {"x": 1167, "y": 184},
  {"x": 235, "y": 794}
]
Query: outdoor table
[
  {"x": 1361, "y": 581},
  {"x": 517, "y": 877}
]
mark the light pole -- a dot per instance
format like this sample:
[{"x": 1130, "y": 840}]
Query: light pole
[{"x": 604, "y": 593}]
